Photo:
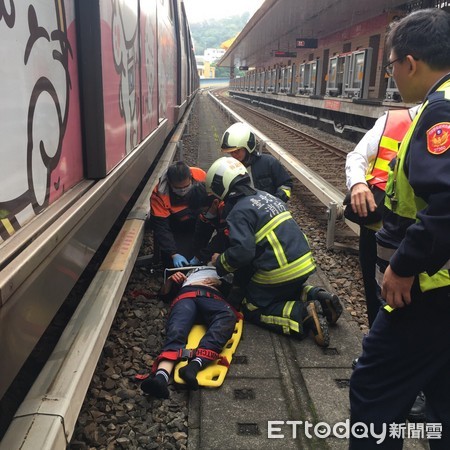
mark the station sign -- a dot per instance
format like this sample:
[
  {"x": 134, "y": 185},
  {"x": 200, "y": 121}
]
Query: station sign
[
  {"x": 243, "y": 67},
  {"x": 306, "y": 43},
  {"x": 281, "y": 54}
]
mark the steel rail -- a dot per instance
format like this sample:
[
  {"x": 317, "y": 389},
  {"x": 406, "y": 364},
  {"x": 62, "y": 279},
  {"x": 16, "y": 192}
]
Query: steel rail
[{"x": 331, "y": 197}]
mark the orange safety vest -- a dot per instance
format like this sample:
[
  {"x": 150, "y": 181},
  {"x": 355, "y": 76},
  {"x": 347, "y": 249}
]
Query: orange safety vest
[
  {"x": 395, "y": 128},
  {"x": 161, "y": 205}
]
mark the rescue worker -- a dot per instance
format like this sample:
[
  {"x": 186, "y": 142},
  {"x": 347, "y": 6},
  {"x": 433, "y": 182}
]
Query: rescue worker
[
  {"x": 210, "y": 229},
  {"x": 367, "y": 169},
  {"x": 170, "y": 216},
  {"x": 407, "y": 349},
  {"x": 266, "y": 172},
  {"x": 195, "y": 296},
  {"x": 265, "y": 240}
]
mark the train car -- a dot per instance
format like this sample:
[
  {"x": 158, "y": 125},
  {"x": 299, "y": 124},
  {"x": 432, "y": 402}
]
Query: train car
[{"x": 90, "y": 92}]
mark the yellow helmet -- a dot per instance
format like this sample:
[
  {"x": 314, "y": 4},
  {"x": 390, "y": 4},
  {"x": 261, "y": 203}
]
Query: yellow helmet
[
  {"x": 237, "y": 136},
  {"x": 223, "y": 174}
]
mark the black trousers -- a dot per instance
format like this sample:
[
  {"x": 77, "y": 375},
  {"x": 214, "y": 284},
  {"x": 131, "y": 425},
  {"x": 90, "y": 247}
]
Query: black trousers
[
  {"x": 405, "y": 352},
  {"x": 217, "y": 315},
  {"x": 367, "y": 261}
]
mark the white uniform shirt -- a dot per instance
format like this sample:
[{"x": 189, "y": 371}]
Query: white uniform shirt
[
  {"x": 366, "y": 151},
  {"x": 206, "y": 275}
]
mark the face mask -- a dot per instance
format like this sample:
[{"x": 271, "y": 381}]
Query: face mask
[{"x": 181, "y": 192}]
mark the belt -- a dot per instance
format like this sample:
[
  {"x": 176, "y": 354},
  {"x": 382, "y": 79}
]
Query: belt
[
  {"x": 196, "y": 293},
  {"x": 386, "y": 253}
]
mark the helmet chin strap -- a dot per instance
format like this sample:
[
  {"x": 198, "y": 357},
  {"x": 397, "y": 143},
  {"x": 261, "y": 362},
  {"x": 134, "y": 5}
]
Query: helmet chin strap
[{"x": 248, "y": 158}]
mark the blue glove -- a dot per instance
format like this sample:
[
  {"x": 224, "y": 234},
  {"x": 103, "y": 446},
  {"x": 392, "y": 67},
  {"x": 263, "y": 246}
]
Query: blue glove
[
  {"x": 194, "y": 261},
  {"x": 179, "y": 260}
]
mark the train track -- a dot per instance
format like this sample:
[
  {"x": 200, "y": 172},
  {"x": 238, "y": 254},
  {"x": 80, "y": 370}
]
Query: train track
[
  {"x": 120, "y": 385},
  {"x": 321, "y": 157},
  {"x": 317, "y": 165}
]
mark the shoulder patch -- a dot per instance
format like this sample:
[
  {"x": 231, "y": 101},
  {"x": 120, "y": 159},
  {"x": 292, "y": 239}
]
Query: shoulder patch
[{"x": 438, "y": 138}]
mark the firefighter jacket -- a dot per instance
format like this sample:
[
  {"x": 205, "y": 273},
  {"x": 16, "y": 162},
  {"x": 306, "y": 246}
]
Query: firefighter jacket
[
  {"x": 263, "y": 235},
  {"x": 169, "y": 212},
  {"x": 417, "y": 222},
  {"x": 269, "y": 175},
  {"x": 205, "y": 227}
]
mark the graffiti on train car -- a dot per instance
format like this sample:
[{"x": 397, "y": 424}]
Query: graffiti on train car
[
  {"x": 120, "y": 67},
  {"x": 148, "y": 42},
  {"x": 40, "y": 150},
  {"x": 167, "y": 76}
]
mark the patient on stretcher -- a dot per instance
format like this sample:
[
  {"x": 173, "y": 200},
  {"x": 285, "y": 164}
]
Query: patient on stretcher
[{"x": 196, "y": 298}]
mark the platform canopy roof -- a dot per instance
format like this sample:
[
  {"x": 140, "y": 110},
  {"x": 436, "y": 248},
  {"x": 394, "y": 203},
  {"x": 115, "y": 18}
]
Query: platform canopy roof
[{"x": 279, "y": 23}]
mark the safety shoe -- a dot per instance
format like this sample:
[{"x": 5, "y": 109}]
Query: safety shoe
[
  {"x": 332, "y": 308},
  {"x": 417, "y": 413},
  {"x": 316, "y": 323}
]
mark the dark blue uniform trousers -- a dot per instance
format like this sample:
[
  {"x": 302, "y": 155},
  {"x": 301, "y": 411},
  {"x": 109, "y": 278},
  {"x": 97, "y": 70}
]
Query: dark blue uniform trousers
[
  {"x": 216, "y": 314},
  {"x": 405, "y": 352},
  {"x": 266, "y": 306},
  {"x": 368, "y": 261}
]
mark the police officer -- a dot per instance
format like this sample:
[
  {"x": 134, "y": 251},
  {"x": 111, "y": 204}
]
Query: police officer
[
  {"x": 266, "y": 172},
  {"x": 407, "y": 349},
  {"x": 265, "y": 239},
  {"x": 171, "y": 217},
  {"x": 367, "y": 170}
]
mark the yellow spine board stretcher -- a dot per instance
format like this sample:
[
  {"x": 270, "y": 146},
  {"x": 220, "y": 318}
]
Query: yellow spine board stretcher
[{"x": 214, "y": 374}]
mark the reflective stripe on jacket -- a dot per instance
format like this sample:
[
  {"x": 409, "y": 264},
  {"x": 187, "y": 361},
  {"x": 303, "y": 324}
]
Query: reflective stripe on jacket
[
  {"x": 396, "y": 126},
  {"x": 264, "y": 235}
]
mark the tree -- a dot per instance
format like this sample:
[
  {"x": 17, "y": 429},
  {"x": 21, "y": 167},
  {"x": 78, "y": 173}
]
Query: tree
[
  {"x": 221, "y": 72},
  {"x": 211, "y": 33}
]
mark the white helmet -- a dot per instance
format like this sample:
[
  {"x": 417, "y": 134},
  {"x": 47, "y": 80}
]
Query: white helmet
[
  {"x": 223, "y": 174},
  {"x": 238, "y": 136}
]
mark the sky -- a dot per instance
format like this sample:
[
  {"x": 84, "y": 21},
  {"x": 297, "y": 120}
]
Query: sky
[{"x": 200, "y": 10}]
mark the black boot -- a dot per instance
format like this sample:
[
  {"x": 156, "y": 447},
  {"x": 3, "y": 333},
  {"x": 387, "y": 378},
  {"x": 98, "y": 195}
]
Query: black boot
[
  {"x": 417, "y": 413},
  {"x": 332, "y": 308},
  {"x": 157, "y": 385},
  {"x": 189, "y": 373}
]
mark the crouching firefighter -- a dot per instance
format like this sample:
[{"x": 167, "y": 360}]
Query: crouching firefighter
[
  {"x": 196, "y": 298},
  {"x": 266, "y": 241}
]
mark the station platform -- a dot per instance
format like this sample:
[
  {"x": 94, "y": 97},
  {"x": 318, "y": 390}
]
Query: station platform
[{"x": 274, "y": 379}]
